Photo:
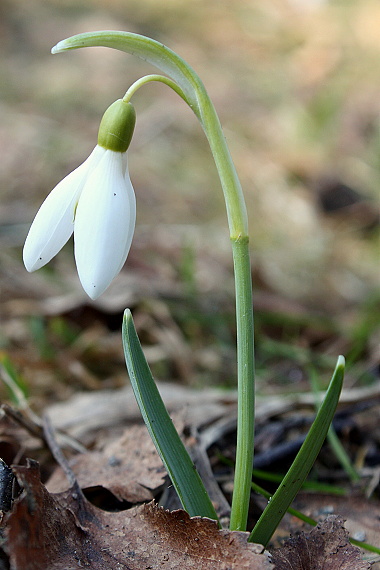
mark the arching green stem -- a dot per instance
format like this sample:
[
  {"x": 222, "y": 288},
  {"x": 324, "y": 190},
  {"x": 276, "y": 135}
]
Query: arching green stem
[
  {"x": 192, "y": 90},
  {"x": 195, "y": 95},
  {"x": 148, "y": 79}
]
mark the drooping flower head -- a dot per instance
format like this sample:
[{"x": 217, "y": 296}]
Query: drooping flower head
[{"x": 97, "y": 203}]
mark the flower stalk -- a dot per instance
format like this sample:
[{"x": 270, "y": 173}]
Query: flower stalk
[{"x": 189, "y": 86}]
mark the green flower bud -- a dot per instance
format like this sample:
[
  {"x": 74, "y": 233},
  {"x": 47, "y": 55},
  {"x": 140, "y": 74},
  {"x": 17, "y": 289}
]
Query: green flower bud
[{"x": 116, "y": 126}]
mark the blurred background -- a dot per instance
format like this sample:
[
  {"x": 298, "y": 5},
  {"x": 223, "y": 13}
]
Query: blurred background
[{"x": 296, "y": 84}]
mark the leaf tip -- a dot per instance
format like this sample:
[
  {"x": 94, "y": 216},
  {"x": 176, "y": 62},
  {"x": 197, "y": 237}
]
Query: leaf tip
[
  {"x": 341, "y": 362},
  {"x": 127, "y": 323},
  {"x": 127, "y": 315},
  {"x": 59, "y": 47}
]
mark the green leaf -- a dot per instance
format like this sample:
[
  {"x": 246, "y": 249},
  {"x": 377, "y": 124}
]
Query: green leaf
[
  {"x": 15, "y": 383},
  {"x": 293, "y": 480},
  {"x": 332, "y": 437},
  {"x": 181, "y": 470},
  {"x": 312, "y": 522}
]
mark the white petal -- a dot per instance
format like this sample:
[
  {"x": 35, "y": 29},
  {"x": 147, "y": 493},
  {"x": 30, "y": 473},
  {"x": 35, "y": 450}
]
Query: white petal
[
  {"x": 104, "y": 224},
  {"x": 132, "y": 207},
  {"x": 54, "y": 221}
]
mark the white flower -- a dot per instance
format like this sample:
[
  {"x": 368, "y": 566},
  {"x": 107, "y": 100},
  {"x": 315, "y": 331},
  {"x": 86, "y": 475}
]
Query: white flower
[{"x": 96, "y": 202}]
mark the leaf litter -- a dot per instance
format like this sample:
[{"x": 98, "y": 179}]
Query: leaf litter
[
  {"x": 326, "y": 546},
  {"x": 128, "y": 467},
  {"x": 64, "y": 530}
]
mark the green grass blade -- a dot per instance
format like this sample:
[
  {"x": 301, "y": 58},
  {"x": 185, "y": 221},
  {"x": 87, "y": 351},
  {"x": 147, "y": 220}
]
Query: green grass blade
[
  {"x": 293, "y": 480},
  {"x": 291, "y": 511},
  {"x": 313, "y": 486},
  {"x": 341, "y": 455},
  {"x": 180, "y": 468}
]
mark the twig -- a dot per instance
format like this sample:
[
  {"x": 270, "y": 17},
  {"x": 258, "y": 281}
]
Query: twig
[{"x": 56, "y": 451}]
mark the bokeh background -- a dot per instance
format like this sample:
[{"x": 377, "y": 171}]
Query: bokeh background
[{"x": 296, "y": 84}]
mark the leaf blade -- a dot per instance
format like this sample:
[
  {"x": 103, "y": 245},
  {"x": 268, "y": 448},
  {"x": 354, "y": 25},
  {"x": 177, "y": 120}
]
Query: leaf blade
[
  {"x": 169, "y": 445},
  {"x": 297, "y": 473}
]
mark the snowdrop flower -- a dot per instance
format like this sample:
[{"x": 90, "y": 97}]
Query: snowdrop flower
[{"x": 96, "y": 202}]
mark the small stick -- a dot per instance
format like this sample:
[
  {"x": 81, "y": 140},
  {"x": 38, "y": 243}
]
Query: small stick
[{"x": 56, "y": 451}]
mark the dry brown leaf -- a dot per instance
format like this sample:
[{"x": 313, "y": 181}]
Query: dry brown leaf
[
  {"x": 88, "y": 412},
  {"x": 362, "y": 515},
  {"x": 64, "y": 532},
  {"x": 326, "y": 546},
  {"x": 15, "y": 439},
  {"x": 129, "y": 467}
]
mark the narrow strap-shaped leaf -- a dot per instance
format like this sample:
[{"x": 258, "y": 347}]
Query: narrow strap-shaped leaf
[
  {"x": 299, "y": 470},
  {"x": 332, "y": 437},
  {"x": 312, "y": 522},
  {"x": 181, "y": 470}
]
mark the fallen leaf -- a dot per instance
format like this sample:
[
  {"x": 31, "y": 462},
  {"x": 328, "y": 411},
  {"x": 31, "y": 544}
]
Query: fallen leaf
[
  {"x": 129, "y": 467},
  {"x": 362, "y": 516},
  {"x": 326, "y": 546},
  {"x": 86, "y": 413},
  {"x": 64, "y": 531}
]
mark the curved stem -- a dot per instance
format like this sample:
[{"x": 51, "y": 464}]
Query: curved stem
[
  {"x": 195, "y": 94},
  {"x": 148, "y": 79}
]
